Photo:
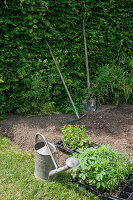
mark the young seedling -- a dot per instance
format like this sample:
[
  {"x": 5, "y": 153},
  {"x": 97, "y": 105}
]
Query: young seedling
[
  {"x": 74, "y": 136},
  {"x": 103, "y": 167}
]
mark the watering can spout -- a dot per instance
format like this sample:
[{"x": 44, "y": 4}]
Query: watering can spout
[
  {"x": 70, "y": 163},
  {"x": 56, "y": 171}
]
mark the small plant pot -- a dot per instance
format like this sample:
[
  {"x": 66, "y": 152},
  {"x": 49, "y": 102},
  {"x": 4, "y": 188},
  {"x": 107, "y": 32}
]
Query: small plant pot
[
  {"x": 69, "y": 151},
  {"x": 126, "y": 192}
]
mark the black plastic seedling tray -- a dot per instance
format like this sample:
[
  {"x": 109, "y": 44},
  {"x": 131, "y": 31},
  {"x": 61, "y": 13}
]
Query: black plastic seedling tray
[
  {"x": 60, "y": 145},
  {"x": 125, "y": 194}
]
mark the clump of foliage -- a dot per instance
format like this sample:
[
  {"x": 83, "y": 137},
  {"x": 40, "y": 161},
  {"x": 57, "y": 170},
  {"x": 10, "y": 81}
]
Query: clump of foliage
[
  {"x": 103, "y": 167},
  {"x": 74, "y": 136},
  {"x": 113, "y": 82}
]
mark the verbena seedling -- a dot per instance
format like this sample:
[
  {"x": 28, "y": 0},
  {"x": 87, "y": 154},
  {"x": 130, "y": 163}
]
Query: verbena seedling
[
  {"x": 103, "y": 167},
  {"x": 74, "y": 136}
]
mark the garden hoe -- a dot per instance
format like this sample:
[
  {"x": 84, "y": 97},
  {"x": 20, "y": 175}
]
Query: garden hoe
[
  {"x": 90, "y": 104},
  {"x": 78, "y": 118}
]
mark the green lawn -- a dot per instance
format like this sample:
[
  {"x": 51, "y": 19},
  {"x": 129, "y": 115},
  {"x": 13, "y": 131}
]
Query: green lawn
[{"x": 18, "y": 182}]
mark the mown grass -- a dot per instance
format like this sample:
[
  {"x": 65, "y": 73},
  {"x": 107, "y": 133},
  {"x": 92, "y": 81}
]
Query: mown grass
[{"x": 17, "y": 181}]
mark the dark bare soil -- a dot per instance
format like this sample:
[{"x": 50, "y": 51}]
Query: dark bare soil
[{"x": 108, "y": 125}]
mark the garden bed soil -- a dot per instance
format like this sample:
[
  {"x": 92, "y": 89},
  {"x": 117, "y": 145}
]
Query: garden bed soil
[{"x": 108, "y": 125}]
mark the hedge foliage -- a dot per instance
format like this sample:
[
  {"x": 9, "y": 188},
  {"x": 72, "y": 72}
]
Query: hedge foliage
[{"x": 29, "y": 81}]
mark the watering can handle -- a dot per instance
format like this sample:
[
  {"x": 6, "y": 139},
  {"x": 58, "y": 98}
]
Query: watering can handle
[{"x": 45, "y": 140}]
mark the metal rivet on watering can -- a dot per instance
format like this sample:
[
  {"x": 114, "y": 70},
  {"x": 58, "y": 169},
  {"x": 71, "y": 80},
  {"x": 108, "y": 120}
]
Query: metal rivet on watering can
[{"x": 45, "y": 164}]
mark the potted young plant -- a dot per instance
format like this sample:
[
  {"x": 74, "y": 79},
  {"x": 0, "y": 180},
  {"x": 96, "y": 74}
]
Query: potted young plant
[
  {"x": 74, "y": 137},
  {"x": 103, "y": 169}
]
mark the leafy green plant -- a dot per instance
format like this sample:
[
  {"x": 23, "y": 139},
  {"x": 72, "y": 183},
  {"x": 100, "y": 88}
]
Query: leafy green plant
[
  {"x": 74, "y": 136},
  {"x": 102, "y": 167},
  {"x": 114, "y": 83}
]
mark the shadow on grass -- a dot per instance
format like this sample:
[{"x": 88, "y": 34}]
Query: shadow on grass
[{"x": 64, "y": 178}]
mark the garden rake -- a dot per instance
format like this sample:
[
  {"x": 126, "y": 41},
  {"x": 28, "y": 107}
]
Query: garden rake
[{"x": 63, "y": 81}]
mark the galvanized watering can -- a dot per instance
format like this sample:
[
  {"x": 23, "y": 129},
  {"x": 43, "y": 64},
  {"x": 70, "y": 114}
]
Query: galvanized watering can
[{"x": 46, "y": 167}]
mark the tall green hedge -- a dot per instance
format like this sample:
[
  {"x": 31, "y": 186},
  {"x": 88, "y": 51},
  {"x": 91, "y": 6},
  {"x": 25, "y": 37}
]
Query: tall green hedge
[{"x": 29, "y": 81}]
